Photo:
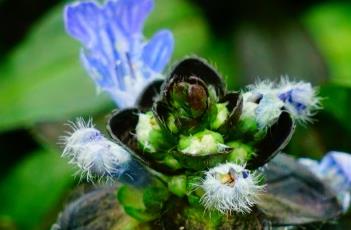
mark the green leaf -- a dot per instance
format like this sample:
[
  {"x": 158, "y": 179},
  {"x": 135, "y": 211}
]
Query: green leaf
[
  {"x": 43, "y": 80},
  {"x": 337, "y": 103},
  {"x": 33, "y": 188},
  {"x": 133, "y": 204},
  {"x": 131, "y": 197},
  {"x": 329, "y": 25}
]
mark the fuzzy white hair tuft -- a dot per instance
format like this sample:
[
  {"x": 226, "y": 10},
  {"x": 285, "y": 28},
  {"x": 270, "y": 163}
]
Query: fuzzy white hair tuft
[
  {"x": 96, "y": 157},
  {"x": 240, "y": 196},
  {"x": 304, "y": 93}
]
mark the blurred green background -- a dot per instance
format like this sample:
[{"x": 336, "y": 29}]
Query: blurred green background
[{"x": 42, "y": 84}]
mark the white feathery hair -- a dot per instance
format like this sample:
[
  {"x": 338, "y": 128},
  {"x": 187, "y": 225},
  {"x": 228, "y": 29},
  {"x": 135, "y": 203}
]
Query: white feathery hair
[
  {"x": 270, "y": 106},
  {"x": 261, "y": 86},
  {"x": 304, "y": 93},
  {"x": 268, "y": 110},
  {"x": 95, "y": 156},
  {"x": 239, "y": 196}
]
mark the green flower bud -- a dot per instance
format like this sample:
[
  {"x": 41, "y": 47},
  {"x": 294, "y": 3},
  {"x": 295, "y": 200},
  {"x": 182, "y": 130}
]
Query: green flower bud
[
  {"x": 171, "y": 162},
  {"x": 220, "y": 116},
  {"x": 189, "y": 99},
  {"x": 202, "y": 143},
  {"x": 143, "y": 204},
  {"x": 241, "y": 153},
  {"x": 247, "y": 128},
  {"x": 177, "y": 185},
  {"x": 171, "y": 124},
  {"x": 194, "y": 191},
  {"x": 247, "y": 125},
  {"x": 209, "y": 219},
  {"x": 132, "y": 201},
  {"x": 149, "y": 134}
]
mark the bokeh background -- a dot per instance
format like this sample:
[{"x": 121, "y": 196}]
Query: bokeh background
[{"x": 42, "y": 84}]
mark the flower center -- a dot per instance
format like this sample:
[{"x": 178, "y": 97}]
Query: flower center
[{"x": 227, "y": 178}]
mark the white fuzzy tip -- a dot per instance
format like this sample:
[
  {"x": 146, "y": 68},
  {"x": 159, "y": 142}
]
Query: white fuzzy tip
[
  {"x": 265, "y": 100},
  {"x": 300, "y": 99},
  {"x": 230, "y": 188},
  {"x": 93, "y": 154}
]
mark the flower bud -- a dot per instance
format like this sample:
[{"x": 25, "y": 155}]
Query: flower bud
[
  {"x": 171, "y": 162},
  {"x": 177, "y": 185},
  {"x": 171, "y": 124},
  {"x": 241, "y": 153},
  {"x": 149, "y": 134},
  {"x": 220, "y": 116},
  {"x": 146, "y": 203},
  {"x": 202, "y": 143},
  {"x": 189, "y": 99}
]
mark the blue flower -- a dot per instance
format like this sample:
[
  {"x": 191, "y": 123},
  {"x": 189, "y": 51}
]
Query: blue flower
[
  {"x": 335, "y": 170},
  {"x": 337, "y": 166},
  {"x": 116, "y": 54}
]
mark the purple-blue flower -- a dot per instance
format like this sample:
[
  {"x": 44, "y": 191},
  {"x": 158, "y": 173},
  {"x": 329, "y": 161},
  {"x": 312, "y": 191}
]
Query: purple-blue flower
[
  {"x": 116, "y": 54},
  {"x": 337, "y": 166},
  {"x": 335, "y": 170}
]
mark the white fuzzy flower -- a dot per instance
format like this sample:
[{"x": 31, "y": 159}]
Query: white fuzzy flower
[
  {"x": 230, "y": 188},
  {"x": 268, "y": 110},
  {"x": 300, "y": 99},
  {"x": 95, "y": 155},
  {"x": 262, "y": 103},
  {"x": 250, "y": 104},
  {"x": 265, "y": 101}
]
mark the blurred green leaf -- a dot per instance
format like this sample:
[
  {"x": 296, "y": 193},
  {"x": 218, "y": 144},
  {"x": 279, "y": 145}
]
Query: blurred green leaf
[
  {"x": 336, "y": 102},
  {"x": 221, "y": 54},
  {"x": 43, "y": 80},
  {"x": 330, "y": 26},
  {"x": 33, "y": 189}
]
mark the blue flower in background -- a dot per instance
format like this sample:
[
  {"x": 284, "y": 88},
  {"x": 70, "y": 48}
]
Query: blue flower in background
[
  {"x": 335, "y": 170},
  {"x": 116, "y": 54}
]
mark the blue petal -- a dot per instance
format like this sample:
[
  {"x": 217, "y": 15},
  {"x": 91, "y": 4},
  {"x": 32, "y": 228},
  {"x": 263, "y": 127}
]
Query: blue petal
[
  {"x": 158, "y": 51},
  {"x": 130, "y": 14},
  {"x": 98, "y": 71},
  {"x": 340, "y": 161},
  {"x": 81, "y": 21}
]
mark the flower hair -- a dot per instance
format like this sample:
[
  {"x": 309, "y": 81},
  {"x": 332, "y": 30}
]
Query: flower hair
[
  {"x": 96, "y": 157},
  {"x": 230, "y": 187}
]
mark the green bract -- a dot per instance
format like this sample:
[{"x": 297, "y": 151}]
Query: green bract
[
  {"x": 183, "y": 127},
  {"x": 190, "y": 122}
]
